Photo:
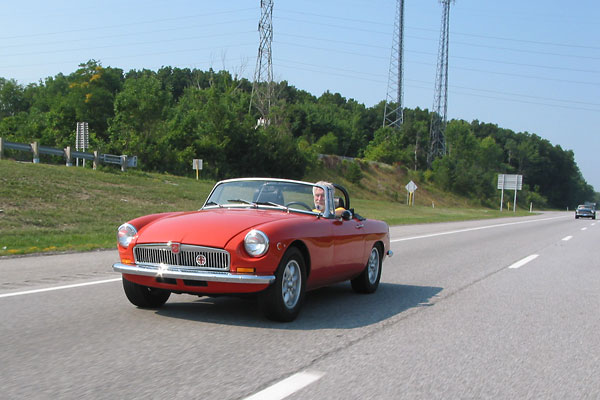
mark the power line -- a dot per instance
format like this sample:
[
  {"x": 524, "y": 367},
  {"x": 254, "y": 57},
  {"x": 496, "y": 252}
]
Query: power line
[
  {"x": 336, "y": 50},
  {"x": 128, "y": 25},
  {"x": 137, "y": 33},
  {"x": 409, "y": 27},
  {"x": 518, "y": 97},
  {"x": 369, "y": 77}
]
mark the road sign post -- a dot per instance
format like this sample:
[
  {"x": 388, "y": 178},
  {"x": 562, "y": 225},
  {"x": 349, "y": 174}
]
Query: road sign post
[
  {"x": 197, "y": 165},
  {"x": 411, "y": 187},
  {"x": 510, "y": 182},
  {"x": 82, "y": 139}
]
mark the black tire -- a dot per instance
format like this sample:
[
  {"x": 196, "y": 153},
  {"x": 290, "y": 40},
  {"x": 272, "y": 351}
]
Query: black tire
[
  {"x": 284, "y": 298},
  {"x": 144, "y": 296},
  {"x": 368, "y": 280}
]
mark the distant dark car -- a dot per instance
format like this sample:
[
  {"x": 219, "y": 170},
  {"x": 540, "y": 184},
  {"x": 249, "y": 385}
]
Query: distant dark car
[{"x": 584, "y": 211}]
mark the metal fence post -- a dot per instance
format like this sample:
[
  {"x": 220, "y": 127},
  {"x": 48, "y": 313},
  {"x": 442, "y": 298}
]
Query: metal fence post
[
  {"x": 35, "y": 147},
  {"x": 68, "y": 156},
  {"x": 1, "y": 147},
  {"x": 96, "y": 159},
  {"x": 123, "y": 163}
]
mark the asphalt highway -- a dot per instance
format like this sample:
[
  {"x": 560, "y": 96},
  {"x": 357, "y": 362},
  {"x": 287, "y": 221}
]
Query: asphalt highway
[{"x": 497, "y": 309}]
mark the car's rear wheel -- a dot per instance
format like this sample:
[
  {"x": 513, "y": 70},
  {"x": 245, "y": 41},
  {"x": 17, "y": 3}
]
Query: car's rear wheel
[
  {"x": 368, "y": 280},
  {"x": 144, "y": 296},
  {"x": 283, "y": 299}
]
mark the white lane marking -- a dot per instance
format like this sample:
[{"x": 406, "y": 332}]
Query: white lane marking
[
  {"x": 58, "y": 288},
  {"x": 471, "y": 229},
  {"x": 286, "y": 387},
  {"x": 524, "y": 261},
  {"x": 584, "y": 228},
  {"x": 567, "y": 238}
]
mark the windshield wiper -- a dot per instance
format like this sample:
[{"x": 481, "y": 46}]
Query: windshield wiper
[
  {"x": 212, "y": 203},
  {"x": 270, "y": 203}
]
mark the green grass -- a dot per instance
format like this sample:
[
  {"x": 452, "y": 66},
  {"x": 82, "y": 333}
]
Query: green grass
[
  {"x": 401, "y": 214},
  {"x": 55, "y": 208},
  {"x": 52, "y": 208}
]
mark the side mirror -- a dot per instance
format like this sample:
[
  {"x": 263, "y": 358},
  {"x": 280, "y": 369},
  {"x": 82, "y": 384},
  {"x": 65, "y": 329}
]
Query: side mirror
[{"x": 346, "y": 215}]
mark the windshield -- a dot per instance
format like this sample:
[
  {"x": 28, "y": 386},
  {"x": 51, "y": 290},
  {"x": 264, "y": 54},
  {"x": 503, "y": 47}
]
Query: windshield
[{"x": 288, "y": 195}]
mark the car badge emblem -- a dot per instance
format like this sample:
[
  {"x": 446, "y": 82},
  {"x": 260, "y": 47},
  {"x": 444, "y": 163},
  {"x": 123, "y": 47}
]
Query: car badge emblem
[
  {"x": 175, "y": 247},
  {"x": 201, "y": 260}
]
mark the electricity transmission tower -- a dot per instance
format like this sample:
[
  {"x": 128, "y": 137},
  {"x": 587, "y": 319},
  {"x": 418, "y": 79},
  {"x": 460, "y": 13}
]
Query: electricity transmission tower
[
  {"x": 392, "y": 115},
  {"x": 262, "y": 87},
  {"x": 440, "y": 99}
]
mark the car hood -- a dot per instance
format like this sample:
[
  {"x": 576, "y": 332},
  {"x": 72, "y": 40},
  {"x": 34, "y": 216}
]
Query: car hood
[{"x": 211, "y": 228}]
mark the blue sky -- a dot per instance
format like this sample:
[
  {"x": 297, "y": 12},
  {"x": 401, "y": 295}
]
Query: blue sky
[{"x": 529, "y": 66}]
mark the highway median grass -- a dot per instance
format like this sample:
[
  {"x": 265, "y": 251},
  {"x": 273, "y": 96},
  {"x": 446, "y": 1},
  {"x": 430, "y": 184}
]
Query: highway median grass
[{"x": 50, "y": 208}]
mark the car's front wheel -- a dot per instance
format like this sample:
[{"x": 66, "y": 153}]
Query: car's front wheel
[
  {"x": 283, "y": 299},
  {"x": 144, "y": 296},
  {"x": 368, "y": 280}
]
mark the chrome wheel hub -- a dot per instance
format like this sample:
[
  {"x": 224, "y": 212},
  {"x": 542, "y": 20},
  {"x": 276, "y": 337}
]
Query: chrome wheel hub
[
  {"x": 373, "y": 267},
  {"x": 291, "y": 284}
]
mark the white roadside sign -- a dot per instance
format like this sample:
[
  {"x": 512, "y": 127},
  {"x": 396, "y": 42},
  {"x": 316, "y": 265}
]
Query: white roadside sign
[
  {"x": 510, "y": 182},
  {"x": 410, "y": 188}
]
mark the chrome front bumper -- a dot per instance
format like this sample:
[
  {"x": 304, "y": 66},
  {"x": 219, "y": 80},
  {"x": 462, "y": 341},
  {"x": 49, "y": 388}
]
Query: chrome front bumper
[{"x": 186, "y": 273}]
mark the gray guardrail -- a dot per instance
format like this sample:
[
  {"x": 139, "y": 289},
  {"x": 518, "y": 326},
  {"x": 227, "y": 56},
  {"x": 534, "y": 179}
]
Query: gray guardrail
[{"x": 124, "y": 161}]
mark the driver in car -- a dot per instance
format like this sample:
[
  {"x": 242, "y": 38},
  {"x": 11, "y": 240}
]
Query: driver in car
[{"x": 319, "y": 198}]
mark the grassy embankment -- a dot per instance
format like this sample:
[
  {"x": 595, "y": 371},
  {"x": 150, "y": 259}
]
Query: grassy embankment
[{"x": 50, "y": 208}]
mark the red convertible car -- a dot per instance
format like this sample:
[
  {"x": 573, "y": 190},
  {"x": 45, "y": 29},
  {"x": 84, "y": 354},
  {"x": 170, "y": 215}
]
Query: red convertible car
[{"x": 253, "y": 236}]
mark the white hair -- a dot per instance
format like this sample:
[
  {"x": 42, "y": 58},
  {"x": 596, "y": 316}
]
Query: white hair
[{"x": 325, "y": 184}]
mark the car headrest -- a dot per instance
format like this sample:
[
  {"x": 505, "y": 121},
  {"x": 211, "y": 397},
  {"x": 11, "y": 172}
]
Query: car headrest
[{"x": 269, "y": 196}]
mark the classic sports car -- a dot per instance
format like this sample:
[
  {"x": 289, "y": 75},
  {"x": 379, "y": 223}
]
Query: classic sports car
[
  {"x": 585, "y": 211},
  {"x": 253, "y": 236}
]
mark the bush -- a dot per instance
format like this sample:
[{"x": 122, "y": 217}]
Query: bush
[
  {"x": 353, "y": 172},
  {"x": 539, "y": 201}
]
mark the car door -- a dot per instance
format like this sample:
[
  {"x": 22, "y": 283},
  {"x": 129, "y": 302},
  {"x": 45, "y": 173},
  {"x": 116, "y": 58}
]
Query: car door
[{"x": 349, "y": 247}]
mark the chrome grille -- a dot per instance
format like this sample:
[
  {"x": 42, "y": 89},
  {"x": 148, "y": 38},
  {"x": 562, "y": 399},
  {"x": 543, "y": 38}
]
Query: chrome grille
[{"x": 160, "y": 254}]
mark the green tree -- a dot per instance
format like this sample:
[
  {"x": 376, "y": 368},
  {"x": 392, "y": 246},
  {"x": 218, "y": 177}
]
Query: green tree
[
  {"x": 138, "y": 127},
  {"x": 12, "y": 98},
  {"x": 387, "y": 147}
]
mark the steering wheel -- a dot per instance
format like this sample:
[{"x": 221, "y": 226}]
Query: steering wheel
[{"x": 309, "y": 208}]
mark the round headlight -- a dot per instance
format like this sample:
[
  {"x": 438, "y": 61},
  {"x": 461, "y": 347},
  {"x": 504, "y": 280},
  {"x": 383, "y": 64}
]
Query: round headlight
[
  {"x": 256, "y": 243},
  {"x": 125, "y": 234}
]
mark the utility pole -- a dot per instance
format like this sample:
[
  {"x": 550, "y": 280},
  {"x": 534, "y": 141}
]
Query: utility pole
[
  {"x": 262, "y": 87},
  {"x": 392, "y": 114},
  {"x": 440, "y": 100}
]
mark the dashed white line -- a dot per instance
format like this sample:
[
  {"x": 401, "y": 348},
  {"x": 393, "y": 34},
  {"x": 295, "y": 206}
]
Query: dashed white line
[
  {"x": 288, "y": 386},
  {"x": 471, "y": 229},
  {"x": 524, "y": 261},
  {"x": 58, "y": 288},
  {"x": 567, "y": 238},
  {"x": 584, "y": 228}
]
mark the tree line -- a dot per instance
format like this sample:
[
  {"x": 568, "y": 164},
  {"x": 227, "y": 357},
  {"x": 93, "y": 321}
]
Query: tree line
[{"x": 171, "y": 116}]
